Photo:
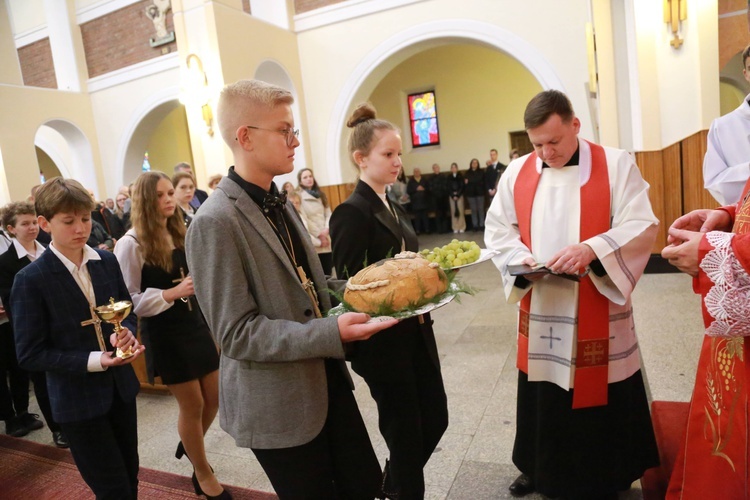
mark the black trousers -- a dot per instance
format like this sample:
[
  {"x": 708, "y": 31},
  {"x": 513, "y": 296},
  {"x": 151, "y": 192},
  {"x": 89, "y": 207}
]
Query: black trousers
[
  {"x": 406, "y": 383},
  {"x": 14, "y": 386},
  {"x": 421, "y": 221},
  {"x": 326, "y": 261},
  {"x": 338, "y": 464},
  {"x": 42, "y": 398},
  {"x": 105, "y": 450}
]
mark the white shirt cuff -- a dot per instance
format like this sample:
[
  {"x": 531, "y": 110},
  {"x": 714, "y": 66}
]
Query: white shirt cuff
[{"x": 95, "y": 362}]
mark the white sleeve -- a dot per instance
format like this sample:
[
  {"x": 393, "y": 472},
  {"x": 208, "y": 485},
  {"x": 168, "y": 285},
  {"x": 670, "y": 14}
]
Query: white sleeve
[
  {"x": 94, "y": 364},
  {"x": 501, "y": 234},
  {"x": 148, "y": 302},
  {"x": 624, "y": 250},
  {"x": 725, "y": 182}
]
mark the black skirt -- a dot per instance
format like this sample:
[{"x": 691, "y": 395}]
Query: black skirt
[
  {"x": 584, "y": 452},
  {"x": 180, "y": 342}
]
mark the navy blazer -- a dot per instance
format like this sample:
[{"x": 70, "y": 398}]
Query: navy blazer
[
  {"x": 10, "y": 265},
  {"x": 48, "y": 308}
]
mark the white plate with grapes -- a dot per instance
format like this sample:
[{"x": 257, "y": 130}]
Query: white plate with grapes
[{"x": 458, "y": 254}]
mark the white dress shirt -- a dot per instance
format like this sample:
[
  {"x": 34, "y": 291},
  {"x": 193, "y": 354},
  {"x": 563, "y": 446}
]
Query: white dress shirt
[{"x": 83, "y": 279}]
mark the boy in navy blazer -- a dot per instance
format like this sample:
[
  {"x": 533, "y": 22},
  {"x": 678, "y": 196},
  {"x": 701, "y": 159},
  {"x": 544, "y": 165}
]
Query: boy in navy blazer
[{"x": 92, "y": 392}]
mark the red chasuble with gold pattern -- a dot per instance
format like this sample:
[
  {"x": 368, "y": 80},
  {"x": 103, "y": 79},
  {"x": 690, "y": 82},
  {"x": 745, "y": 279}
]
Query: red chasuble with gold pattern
[{"x": 713, "y": 462}]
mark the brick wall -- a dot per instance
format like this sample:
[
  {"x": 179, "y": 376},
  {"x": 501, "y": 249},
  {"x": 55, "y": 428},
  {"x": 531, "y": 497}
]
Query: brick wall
[
  {"x": 37, "y": 67},
  {"x": 301, "y": 6},
  {"x": 121, "y": 38}
]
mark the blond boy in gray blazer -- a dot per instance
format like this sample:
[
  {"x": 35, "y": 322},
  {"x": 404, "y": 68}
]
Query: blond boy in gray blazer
[{"x": 285, "y": 391}]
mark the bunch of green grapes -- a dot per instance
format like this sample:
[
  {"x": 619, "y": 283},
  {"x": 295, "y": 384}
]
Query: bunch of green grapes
[{"x": 454, "y": 254}]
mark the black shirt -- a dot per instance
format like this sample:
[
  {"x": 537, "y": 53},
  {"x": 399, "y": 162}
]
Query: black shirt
[{"x": 279, "y": 221}]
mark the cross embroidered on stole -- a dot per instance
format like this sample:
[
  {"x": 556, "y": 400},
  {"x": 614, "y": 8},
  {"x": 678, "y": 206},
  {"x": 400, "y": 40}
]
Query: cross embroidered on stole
[{"x": 592, "y": 343}]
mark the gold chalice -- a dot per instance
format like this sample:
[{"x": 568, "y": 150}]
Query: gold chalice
[{"x": 113, "y": 313}]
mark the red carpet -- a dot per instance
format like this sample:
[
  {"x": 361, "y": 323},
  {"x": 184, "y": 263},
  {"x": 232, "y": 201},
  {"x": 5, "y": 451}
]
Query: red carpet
[
  {"x": 36, "y": 471},
  {"x": 670, "y": 419}
]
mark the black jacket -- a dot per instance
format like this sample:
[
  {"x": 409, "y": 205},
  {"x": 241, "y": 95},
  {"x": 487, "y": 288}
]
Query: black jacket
[
  {"x": 475, "y": 186},
  {"x": 456, "y": 185},
  {"x": 419, "y": 199},
  {"x": 492, "y": 175},
  {"x": 363, "y": 231}
]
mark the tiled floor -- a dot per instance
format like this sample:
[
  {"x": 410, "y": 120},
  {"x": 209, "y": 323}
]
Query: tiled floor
[{"x": 476, "y": 339}]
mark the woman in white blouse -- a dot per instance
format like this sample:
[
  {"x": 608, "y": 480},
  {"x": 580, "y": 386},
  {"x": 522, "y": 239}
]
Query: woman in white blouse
[
  {"x": 153, "y": 263},
  {"x": 317, "y": 212}
]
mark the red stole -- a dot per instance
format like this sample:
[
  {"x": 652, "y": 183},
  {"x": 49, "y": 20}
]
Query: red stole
[
  {"x": 713, "y": 461},
  {"x": 592, "y": 347}
]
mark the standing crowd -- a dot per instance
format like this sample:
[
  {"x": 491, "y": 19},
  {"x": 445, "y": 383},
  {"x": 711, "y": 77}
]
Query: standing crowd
[{"x": 251, "y": 338}]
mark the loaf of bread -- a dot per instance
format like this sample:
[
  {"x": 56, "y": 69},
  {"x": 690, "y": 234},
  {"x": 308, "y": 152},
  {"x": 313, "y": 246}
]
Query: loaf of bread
[{"x": 391, "y": 285}]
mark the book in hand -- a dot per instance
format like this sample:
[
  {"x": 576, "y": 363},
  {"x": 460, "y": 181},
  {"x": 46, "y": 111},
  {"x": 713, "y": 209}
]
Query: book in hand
[{"x": 539, "y": 270}]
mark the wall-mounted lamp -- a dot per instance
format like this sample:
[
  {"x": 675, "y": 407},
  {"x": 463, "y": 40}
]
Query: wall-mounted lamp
[
  {"x": 674, "y": 12},
  {"x": 195, "y": 90}
]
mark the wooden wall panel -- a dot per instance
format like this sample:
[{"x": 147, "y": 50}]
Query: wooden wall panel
[
  {"x": 652, "y": 170},
  {"x": 345, "y": 191},
  {"x": 337, "y": 193},
  {"x": 332, "y": 194},
  {"x": 694, "y": 195},
  {"x": 672, "y": 195}
]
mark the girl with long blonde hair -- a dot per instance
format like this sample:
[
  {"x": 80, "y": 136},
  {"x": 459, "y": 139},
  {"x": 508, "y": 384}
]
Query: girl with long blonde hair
[{"x": 153, "y": 263}]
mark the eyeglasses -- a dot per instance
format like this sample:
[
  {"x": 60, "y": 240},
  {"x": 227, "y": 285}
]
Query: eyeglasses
[{"x": 289, "y": 133}]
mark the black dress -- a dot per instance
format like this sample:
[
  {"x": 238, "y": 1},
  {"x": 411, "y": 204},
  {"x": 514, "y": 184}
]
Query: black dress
[{"x": 180, "y": 342}]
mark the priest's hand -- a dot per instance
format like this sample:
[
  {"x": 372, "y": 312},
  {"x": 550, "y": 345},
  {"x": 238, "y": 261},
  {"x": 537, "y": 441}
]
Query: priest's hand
[
  {"x": 684, "y": 253},
  {"x": 354, "y": 326},
  {"x": 572, "y": 259},
  {"x": 703, "y": 220},
  {"x": 531, "y": 261}
]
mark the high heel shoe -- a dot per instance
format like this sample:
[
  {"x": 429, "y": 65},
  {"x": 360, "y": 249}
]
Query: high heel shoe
[
  {"x": 180, "y": 451},
  {"x": 224, "y": 495}
]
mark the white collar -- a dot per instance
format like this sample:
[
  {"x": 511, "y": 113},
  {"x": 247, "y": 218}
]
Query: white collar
[
  {"x": 88, "y": 254},
  {"x": 21, "y": 251},
  {"x": 744, "y": 108}
]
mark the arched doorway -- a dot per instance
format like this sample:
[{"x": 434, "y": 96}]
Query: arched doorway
[
  {"x": 159, "y": 124},
  {"x": 52, "y": 153},
  {"x": 67, "y": 152},
  {"x": 402, "y": 46},
  {"x": 733, "y": 87},
  {"x": 272, "y": 72}
]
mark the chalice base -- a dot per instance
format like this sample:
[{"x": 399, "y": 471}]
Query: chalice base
[{"x": 123, "y": 354}]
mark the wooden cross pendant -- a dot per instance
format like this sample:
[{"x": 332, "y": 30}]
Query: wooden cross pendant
[
  {"x": 97, "y": 327},
  {"x": 309, "y": 287},
  {"x": 182, "y": 277}
]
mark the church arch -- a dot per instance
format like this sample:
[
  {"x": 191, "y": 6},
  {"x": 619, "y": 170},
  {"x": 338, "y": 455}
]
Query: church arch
[
  {"x": 387, "y": 55},
  {"x": 143, "y": 122},
  {"x": 733, "y": 86},
  {"x": 69, "y": 149},
  {"x": 273, "y": 72}
]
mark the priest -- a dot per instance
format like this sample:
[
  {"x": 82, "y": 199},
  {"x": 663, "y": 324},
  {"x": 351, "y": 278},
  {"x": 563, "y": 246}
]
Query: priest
[
  {"x": 726, "y": 165},
  {"x": 713, "y": 246},
  {"x": 581, "y": 210}
]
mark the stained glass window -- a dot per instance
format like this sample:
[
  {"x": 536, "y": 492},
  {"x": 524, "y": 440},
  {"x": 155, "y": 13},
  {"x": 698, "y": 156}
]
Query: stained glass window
[{"x": 423, "y": 118}]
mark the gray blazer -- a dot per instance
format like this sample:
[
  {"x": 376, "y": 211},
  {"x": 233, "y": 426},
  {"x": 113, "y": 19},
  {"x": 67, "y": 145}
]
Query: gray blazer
[{"x": 272, "y": 385}]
